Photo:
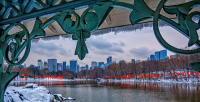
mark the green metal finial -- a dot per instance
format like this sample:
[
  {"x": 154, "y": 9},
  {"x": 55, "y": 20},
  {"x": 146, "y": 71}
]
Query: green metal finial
[{"x": 81, "y": 48}]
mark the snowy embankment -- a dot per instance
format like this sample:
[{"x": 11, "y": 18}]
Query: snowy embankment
[
  {"x": 161, "y": 80},
  {"x": 31, "y": 93},
  {"x": 190, "y": 80},
  {"x": 46, "y": 80}
]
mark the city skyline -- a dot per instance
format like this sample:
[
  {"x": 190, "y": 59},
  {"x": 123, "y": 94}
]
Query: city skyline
[
  {"x": 54, "y": 66},
  {"x": 120, "y": 45}
]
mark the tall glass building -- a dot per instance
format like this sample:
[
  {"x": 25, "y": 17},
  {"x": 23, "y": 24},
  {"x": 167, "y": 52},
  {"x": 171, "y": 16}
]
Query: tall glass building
[
  {"x": 52, "y": 65},
  {"x": 60, "y": 66},
  {"x": 133, "y": 60},
  {"x": 152, "y": 57},
  {"x": 160, "y": 55},
  {"x": 40, "y": 64},
  {"x": 73, "y": 65},
  {"x": 163, "y": 54},
  {"x": 157, "y": 55},
  {"x": 122, "y": 61},
  {"x": 87, "y": 67},
  {"x": 64, "y": 65},
  {"x": 109, "y": 60},
  {"x": 94, "y": 64}
]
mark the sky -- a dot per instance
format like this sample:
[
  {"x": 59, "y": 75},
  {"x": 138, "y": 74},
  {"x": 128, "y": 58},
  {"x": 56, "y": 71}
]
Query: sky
[{"x": 124, "y": 45}]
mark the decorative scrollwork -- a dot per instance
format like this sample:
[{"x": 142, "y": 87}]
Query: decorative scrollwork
[
  {"x": 12, "y": 11},
  {"x": 13, "y": 8},
  {"x": 12, "y": 45},
  {"x": 64, "y": 19},
  {"x": 91, "y": 19},
  {"x": 185, "y": 24},
  {"x": 80, "y": 26}
]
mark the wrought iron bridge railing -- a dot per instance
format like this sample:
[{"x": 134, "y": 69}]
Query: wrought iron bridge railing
[{"x": 14, "y": 12}]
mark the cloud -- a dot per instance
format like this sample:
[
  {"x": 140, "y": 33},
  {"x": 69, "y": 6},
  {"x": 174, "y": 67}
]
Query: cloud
[
  {"x": 104, "y": 47},
  {"x": 99, "y": 44},
  {"x": 142, "y": 52},
  {"x": 46, "y": 48},
  {"x": 104, "y": 52},
  {"x": 116, "y": 49},
  {"x": 122, "y": 44}
]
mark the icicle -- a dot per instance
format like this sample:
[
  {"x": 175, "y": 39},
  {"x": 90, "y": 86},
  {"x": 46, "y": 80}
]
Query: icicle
[
  {"x": 35, "y": 40},
  {"x": 108, "y": 30},
  {"x": 51, "y": 38},
  {"x": 127, "y": 28}
]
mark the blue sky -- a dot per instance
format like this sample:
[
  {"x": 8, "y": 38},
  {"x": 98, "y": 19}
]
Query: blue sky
[{"x": 124, "y": 45}]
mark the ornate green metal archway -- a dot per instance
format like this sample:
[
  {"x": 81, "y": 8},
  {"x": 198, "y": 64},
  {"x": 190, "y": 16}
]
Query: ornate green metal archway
[{"x": 13, "y": 12}]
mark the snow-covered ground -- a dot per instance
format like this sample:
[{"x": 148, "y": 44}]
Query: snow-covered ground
[
  {"x": 182, "y": 80},
  {"x": 191, "y": 80},
  {"x": 30, "y": 93},
  {"x": 45, "y": 79}
]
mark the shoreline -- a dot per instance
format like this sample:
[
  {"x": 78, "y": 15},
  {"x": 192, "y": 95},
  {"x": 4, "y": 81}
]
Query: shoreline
[
  {"x": 99, "y": 80},
  {"x": 155, "y": 81}
]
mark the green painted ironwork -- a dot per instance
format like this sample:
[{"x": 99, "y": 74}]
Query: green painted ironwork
[
  {"x": 17, "y": 10},
  {"x": 12, "y": 46},
  {"x": 5, "y": 79},
  {"x": 80, "y": 26}
]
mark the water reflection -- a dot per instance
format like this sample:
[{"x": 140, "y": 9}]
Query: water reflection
[
  {"x": 178, "y": 92},
  {"x": 90, "y": 91}
]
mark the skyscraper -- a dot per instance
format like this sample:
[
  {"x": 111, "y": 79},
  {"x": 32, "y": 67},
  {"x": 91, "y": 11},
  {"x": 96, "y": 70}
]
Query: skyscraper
[
  {"x": 87, "y": 67},
  {"x": 121, "y": 61},
  {"x": 68, "y": 67},
  {"x": 45, "y": 65},
  {"x": 94, "y": 64},
  {"x": 133, "y": 60},
  {"x": 31, "y": 66},
  {"x": 152, "y": 57},
  {"x": 82, "y": 68},
  {"x": 101, "y": 65},
  {"x": 160, "y": 55},
  {"x": 109, "y": 60},
  {"x": 73, "y": 65},
  {"x": 77, "y": 68},
  {"x": 40, "y": 64},
  {"x": 24, "y": 65},
  {"x": 163, "y": 54},
  {"x": 64, "y": 65},
  {"x": 60, "y": 66},
  {"x": 157, "y": 55},
  {"x": 52, "y": 65}
]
